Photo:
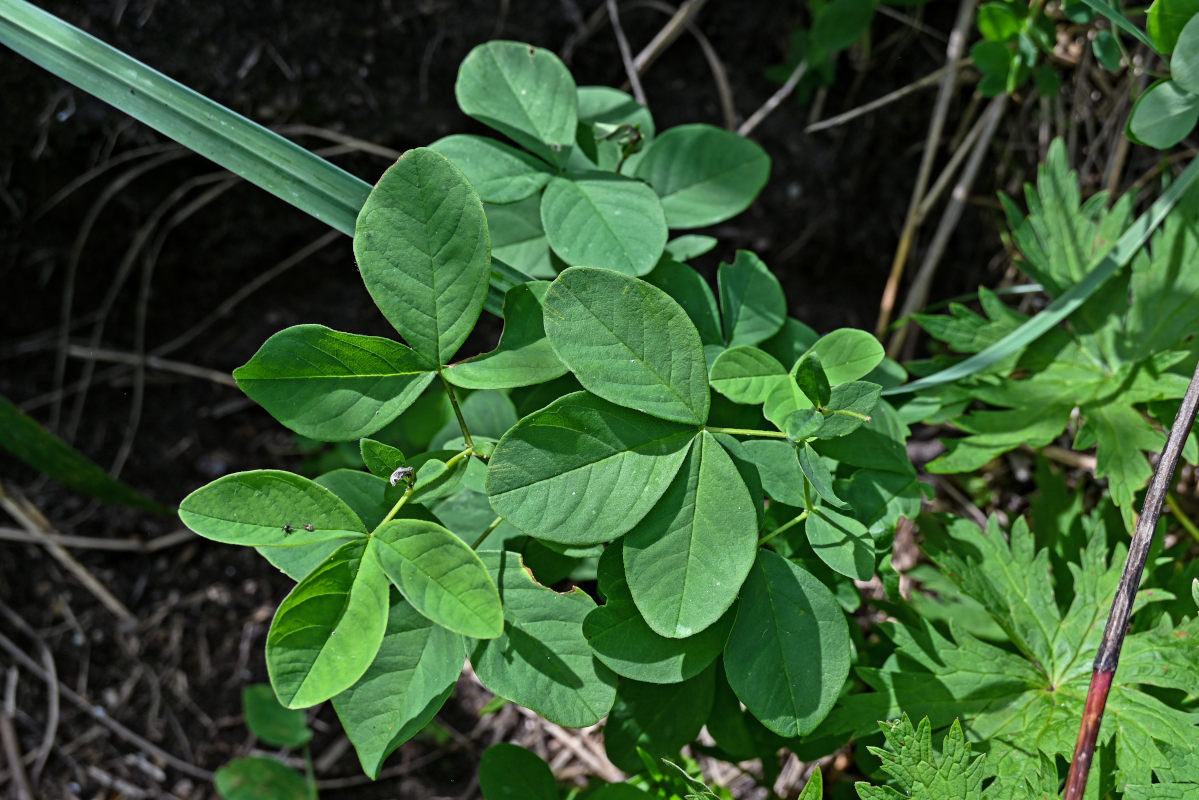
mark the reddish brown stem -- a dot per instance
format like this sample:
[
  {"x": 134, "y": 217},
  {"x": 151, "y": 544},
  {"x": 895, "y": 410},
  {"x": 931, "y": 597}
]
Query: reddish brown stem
[{"x": 1108, "y": 656}]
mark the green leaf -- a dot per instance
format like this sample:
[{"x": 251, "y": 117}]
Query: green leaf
[
  {"x": 440, "y": 576},
  {"x": 803, "y": 424},
  {"x": 779, "y": 469},
  {"x": 812, "y": 381},
  {"x": 268, "y": 507},
  {"x": 413, "y": 673},
  {"x": 604, "y": 220},
  {"x": 1120, "y": 21},
  {"x": 245, "y": 148},
  {"x": 509, "y": 772},
  {"x": 500, "y": 173},
  {"x": 658, "y": 719},
  {"x": 689, "y": 246},
  {"x": 524, "y": 92},
  {"x": 746, "y": 374},
  {"x": 1163, "y": 115},
  {"x": 605, "y": 106},
  {"x": 381, "y": 459},
  {"x": 45, "y": 452},
  {"x": 998, "y": 22},
  {"x": 1184, "y": 66},
  {"x": 423, "y": 249},
  {"x": 260, "y": 778},
  {"x": 703, "y": 174},
  {"x": 271, "y": 722},
  {"x": 784, "y": 685},
  {"x": 1165, "y": 21},
  {"x": 308, "y": 662},
  {"x": 752, "y": 305},
  {"x": 849, "y": 407},
  {"x": 333, "y": 386},
  {"x": 847, "y": 354},
  {"x": 583, "y": 471},
  {"x": 623, "y": 640},
  {"x": 1107, "y": 50},
  {"x": 841, "y": 542},
  {"x": 629, "y": 343},
  {"x": 917, "y": 770},
  {"x": 839, "y": 23},
  {"x": 691, "y": 291},
  {"x": 523, "y": 357},
  {"x": 817, "y": 473},
  {"x": 687, "y": 559},
  {"x": 542, "y": 660},
  {"x": 517, "y": 237}
]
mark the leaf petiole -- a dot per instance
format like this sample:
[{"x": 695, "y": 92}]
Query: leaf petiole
[
  {"x": 494, "y": 524},
  {"x": 746, "y": 432},
  {"x": 449, "y": 390},
  {"x": 784, "y": 527}
]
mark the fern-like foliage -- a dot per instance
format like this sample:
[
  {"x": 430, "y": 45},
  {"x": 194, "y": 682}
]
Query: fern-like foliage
[
  {"x": 1123, "y": 352},
  {"x": 916, "y": 769}
]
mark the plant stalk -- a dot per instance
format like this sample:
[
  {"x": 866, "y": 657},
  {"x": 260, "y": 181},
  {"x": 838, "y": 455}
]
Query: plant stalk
[
  {"x": 449, "y": 389},
  {"x": 1117, "y": 622}
]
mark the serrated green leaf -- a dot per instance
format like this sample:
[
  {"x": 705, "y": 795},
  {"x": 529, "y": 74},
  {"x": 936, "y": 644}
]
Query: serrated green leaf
[
  {"x": 628, "y": 342},
  {"x": 22, "y": 436},
  {"x": 752, "y": 305},
  {"x": 415, "y": 670},
  {"x": 542, "y": 660},
  {"x": 917, "y": 770},
  {"x": 524, "y": 92},
  {"x": 604, "y": 220},
  {"x": 500, "y": 173},
  {"x": 746, "y": 374},
  {"x": 268, "y": 508},
  {"x": 509, "y": 772},
  {"x": 260, "y": 778},
  {"x": 423, "y": 249},
  {"x": 658, "y": 719},
  {"x": 440, "y": 576},
  {"x": 523, "y": 357},
  {"x": 783, "y": 685},
  {"x": 333, "y": 386},
  {"x": 583, "y": 471},
  {"x": 308, "y": 662},
  {"x": 703, "y": 174},
  {"x": 688, "y": 557},
  {"x": 270, "y": 721},
  {"x": 622, "y": 640}
]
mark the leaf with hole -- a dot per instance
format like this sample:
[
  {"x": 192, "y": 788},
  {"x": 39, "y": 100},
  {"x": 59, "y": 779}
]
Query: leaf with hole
[
  {"x": 328, "y": 629},
  {"x": 542, "y": 660},
  {"x": 628, "y": 342},
  {"x": 424, "y": 252}
]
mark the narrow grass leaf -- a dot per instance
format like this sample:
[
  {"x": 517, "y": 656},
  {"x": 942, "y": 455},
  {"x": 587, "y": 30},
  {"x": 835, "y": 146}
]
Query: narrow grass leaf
[
  {"x": 542, "y": 661},
  {"x": 602, "y": 219},
  {"x": 412, "y": 675},
  {"x": 327, "y": 631},
  {"x": 22, "y": 436},
  {"x": 628, "y": 342},
  {"x": 583, "y": 471},
  {"x": 525, "y": 93},
  {"x": 423, "y": 248},
  {"x": 685, "y": 562},
  {"x": 791, "y": 685},
  {"x": 440, "y": 576}
]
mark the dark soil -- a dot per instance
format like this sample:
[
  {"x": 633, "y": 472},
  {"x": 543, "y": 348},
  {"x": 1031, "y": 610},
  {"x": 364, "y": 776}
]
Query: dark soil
[{"x": 382, "y": 72}]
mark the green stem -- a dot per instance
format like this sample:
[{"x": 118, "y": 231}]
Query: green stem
[
  {"x": 746, "y": 432},
  {"x": 495, "y": 524},
  {"x": 848, "y": 413},
  {"x": 449, "y": 389},
  {"x": 784, "y": 527},
  {"x": 396, "y": 508},
  {"x": 1182, "y": 518}
]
